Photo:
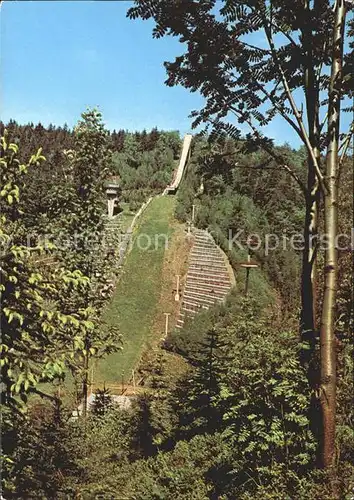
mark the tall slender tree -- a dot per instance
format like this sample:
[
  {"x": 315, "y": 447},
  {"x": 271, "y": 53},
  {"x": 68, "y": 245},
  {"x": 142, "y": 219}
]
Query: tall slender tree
[
  {"x": 328, "y": 316},
  {"x": 91, "y": 160}
]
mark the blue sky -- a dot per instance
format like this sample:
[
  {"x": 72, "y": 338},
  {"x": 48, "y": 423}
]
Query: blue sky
[{"x": 58, "y": 57}]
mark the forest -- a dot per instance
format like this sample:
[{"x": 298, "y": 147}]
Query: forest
[
  {"x": 245, "y": 422},
  {"x": 252, "y": 397}
]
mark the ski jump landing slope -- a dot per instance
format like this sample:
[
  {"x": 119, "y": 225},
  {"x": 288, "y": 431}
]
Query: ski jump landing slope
[{"x": 172, "y": 188}]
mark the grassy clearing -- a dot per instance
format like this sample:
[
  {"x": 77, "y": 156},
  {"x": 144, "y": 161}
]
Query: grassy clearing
[{"x": 134, "y": 303}]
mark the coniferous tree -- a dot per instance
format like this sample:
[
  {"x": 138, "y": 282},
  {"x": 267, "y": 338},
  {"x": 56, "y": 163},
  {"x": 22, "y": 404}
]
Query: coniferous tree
[
  {"x": 200, "y": 411},
  {"x": 102, "y": 403}
]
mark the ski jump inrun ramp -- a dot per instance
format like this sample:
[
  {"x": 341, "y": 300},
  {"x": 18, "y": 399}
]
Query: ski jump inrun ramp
[{"x": 172, "y": 188}]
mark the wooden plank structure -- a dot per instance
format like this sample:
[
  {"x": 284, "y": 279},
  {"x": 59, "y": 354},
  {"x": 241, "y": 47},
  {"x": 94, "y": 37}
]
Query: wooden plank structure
[{"x": 208, "y": 278}]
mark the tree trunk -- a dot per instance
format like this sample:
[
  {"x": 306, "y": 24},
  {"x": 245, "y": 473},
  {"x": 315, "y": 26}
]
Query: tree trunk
[
  {"x": 309, "y": 262},
  {"x": 327, "y": 333},
  {"x": 85, "y": 387},
  {"x": 308, "y": 277}
]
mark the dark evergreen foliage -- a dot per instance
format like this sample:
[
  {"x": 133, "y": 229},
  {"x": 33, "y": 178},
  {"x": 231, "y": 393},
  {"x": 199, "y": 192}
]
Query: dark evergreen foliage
[{"x": 102, "y": 403}]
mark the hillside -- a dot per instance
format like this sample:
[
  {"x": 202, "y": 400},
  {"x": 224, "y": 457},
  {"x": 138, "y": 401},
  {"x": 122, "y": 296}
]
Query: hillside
[
  {"x": 133, "y": 306},
  {"x": 188, "y": 414}
]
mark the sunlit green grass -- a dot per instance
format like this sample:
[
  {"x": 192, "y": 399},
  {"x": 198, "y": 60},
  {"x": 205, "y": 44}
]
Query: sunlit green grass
[{"x": 133, "y": 306}]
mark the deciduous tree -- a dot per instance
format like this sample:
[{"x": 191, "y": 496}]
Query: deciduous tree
[{"x": 257, "y": 60}]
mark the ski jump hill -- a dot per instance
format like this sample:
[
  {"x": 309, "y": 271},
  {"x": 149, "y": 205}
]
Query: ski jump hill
[
  {"x": 210, "y": 277},
  {"x": 172, "y": 188}
]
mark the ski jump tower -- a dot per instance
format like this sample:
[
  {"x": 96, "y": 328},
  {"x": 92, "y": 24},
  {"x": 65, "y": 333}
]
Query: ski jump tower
[{"x": 112, "y": 192}]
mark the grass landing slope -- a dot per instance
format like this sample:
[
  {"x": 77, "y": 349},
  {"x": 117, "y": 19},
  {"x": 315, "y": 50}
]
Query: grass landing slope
[{"x": 134, "y": 303}]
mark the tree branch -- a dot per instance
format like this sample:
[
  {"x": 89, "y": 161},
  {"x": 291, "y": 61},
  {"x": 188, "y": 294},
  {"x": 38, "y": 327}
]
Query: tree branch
[
  {"x": 296, "y": 112},
  {"x": 270, "y": 96},
  {"x": 254, "y": 47},
  {"x": 44, "y": 395},
  {"x": 291, "y": 40},
  {"x": 278, "y": 158},
  {"x": 346, "y": 142},
  {"x": 281, "y": 111},
  {"x": 323, "y": 121},
  {"x": 281, "y": 166}
]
